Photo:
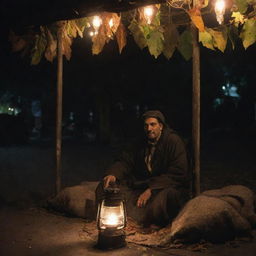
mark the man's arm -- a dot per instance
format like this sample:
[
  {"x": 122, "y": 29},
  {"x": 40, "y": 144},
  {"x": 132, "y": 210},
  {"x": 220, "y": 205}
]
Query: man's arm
[
  {"x": 107, "y": 180},
  {"x": 144, "y": 197}
]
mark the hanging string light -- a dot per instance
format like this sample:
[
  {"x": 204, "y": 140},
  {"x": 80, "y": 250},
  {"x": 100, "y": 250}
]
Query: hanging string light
[
  {"x": 220, "y": 10},
  {"x": 91, "y": 33},
  {"x": 96, "y": 23},
  {"x": 148, "y": 13},
  {"x": 111, "y": 23}
]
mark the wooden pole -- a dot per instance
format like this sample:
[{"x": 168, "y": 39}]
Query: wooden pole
[
  {"x": 59, "y": 106},
  {"x": 196, "y": 110}
]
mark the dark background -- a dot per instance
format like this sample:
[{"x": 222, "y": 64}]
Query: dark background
[{"x": 117, "y": 89}]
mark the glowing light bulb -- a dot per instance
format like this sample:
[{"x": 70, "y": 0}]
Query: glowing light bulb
[
  {"x": 148, "y": 13},
  {"x": 111, "y": 23},
  {"x": 96, "y": 22},
  {"x": 91, "y": 33},
  {"x": 220, "y": 10}
]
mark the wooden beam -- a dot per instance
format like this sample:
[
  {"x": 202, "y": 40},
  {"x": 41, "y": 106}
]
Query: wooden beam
[
  {"x": 59, "y": 106},
  {"x": 196, "y": 111}
]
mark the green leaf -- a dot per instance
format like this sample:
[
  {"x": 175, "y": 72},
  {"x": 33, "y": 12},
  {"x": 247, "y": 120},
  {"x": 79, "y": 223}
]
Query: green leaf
[
  {"x": 248, "y": 34},
  {"x": 206, "y": 39},
  {"x": 219, "y": 37},
  {"x": 146, "y": 30},
  {"x": 232, "y": 35},
  {"x": 171, "y": 40},
  {"x": 39, "y": 48},
  {"x": 185, "y": 45},
  {"x": 138, "y": 34},
  {"x": 238, "y": 18},
  {"x": 241, "y": 5},
  {"x": 155, "y": 43}
]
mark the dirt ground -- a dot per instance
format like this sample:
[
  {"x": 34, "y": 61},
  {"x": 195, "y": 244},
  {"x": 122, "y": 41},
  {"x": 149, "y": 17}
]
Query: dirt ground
[{"x": 27, "y": 179}]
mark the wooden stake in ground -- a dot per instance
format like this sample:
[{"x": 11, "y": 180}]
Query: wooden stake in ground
[
  {"x": 196, "y": 111},
  {"x": 59, "y": 106}
]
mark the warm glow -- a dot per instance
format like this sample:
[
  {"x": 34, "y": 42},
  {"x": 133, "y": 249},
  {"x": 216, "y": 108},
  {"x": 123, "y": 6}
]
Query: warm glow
[
  {"x": 111, "y": 216},
  {"x": 96, "y": 22},
  {"x": 91, "y": 33},
  {"x": 148, "y": 13},
  {"x": 220, "y": 10},
  {"x": 220, "y": 5},
  {"x": 111, "y": 23},
  {"x": 111, "y": 220}
]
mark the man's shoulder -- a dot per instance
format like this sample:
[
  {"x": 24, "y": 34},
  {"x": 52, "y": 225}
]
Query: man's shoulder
[{"x": 172, "y": 136}]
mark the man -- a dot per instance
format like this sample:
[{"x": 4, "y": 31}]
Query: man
[{"x": 152, "y": 173}]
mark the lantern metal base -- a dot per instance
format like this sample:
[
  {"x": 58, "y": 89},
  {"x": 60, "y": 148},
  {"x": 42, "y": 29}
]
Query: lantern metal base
[{"x": 111, "y": 239}]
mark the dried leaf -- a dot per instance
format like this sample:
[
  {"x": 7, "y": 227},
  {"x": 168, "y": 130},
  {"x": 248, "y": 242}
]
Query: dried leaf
[
  {"x": 195, "y": 15},
  {"x": 171, "y": 40},
  {"x": 185, "y": 45},
  {"x": 17, "y": 42},
  {"x": 201, "y": 3},
  {"x": 70, "y": 27},
  {"x": 219, "y": 37},
  {"x": 248, "y": 34},
  {"x": 206, "y": 39},
  {"x": 39, "y": 47},
  {"x": 81, "y": 24},
  {"x": 121, "y": 37},
  {"x": 115, "y": 22},
  {"x": 99, "y": 41},
  {"x": 66, "y": 45},
  {"x": 138, "y": 34},
  {"x": 51, "y": 47}
]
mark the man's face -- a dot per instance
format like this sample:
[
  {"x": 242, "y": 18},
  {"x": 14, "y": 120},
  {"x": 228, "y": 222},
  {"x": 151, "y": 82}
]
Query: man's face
[{"x": 152, "y": 128}]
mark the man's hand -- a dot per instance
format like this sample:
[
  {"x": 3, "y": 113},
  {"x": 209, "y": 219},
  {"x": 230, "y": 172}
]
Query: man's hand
[
  {"x": 143, "y": 198},
  {"x": 108, "y": 179}
]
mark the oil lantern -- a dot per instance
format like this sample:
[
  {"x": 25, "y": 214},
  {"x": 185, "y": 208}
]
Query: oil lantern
[{"x": 111, "y": 219}]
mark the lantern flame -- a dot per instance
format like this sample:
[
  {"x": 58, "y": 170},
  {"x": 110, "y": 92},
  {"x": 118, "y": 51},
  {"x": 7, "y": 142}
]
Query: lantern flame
[
  {"x": 111, "y": 217},
  {"x": 111, "y": 220},
  {"x": 148, "y": 13},
  {"x": 220, "y": 10}
]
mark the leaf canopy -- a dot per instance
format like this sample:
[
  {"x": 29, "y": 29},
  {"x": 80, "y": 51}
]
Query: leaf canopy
[{"x": 166, "y": 30}]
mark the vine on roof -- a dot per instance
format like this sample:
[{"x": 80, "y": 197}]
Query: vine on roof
[{"x": 160, "y": 28}]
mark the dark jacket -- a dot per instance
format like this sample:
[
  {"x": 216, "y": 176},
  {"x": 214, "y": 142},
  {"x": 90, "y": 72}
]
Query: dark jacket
[{"x": 169, "y": 164}]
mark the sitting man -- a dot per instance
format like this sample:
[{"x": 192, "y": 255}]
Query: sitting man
[{"x": 152, "y": 174}]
